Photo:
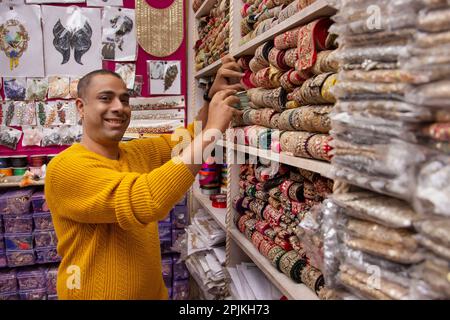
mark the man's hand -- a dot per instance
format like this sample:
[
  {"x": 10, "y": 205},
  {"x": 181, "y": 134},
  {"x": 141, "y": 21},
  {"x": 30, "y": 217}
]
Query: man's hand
[
  {"x": 228, "y": 72},
  {"x": 221, "y": 111}
]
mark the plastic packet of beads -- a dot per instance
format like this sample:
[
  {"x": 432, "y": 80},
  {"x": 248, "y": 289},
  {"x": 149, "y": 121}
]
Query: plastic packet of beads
[
  {"x": 47, "y": 255},
  {"x": 32, "y": 135},
  {"x": 138, "y": 84},
  {"x": 435, "y": 20},
  {"x": 35, "y": 294},
  {"x": 434, "y": 272},
  {"x": 384, "y": 76},
  {"x": 18, "y": 223},
  {"x": 8, "y": 282},
  {"x": 9, "y": 115},
  {"x": 9, "y": 137},
  {"x": 383, "y": 38},
  {"x": 44, "y": 239},
  {"x": 73, "y": 87},
  {"x": 68, "y": 135},
  {"x": 370, "y": 54},
  {"x": 432, "y": 187},
  {"x": 367, "y": 90},
  {"x": 37, "y": 88},
  {"x": 3, "y": 261},
  {"x": 19, "y": 258},
  {"x": 51, "y": 137},
  {"x": 29, "y": 279},
  {"x": 51, "y": 275},
  {"x": 309, "y": 233},
  {"x": 58, "y": 87},
  {"x": 15, "y": 88}
]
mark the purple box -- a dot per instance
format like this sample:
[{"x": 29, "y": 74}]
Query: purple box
[
  {"x": 18, "y": 224},
  {"x": 44, "y": 239},
  {"x": 52, "y": 297},
  {"x": 17, "y": 258},
  {"x": 168, "y": 281},
  {"x": 1, "y": 224},
  {"x": 31, "y": 279},
  {"x": 9, "y": 296},
  {"x": 176, "y": 233},
  {"x": 182, "y": 201},
  {"x": 166, "y": 244},
  {"x": 180, "y": 271},
  {"x": 34, "y": 294},
  {"x": 180, "y": 290},
  {"x": 16, "y": 201},
  {"x": 8, "y": 282},
  {"x": 180, "y": 216},
  {"x": 51, "y": 275},
  {"x": 38, "y": 202},
  {"x": 43, "y": 221},
  {"x": 2, "y": 242},
  {"x": 165, "y": 230},
  {"x": 19, "y": 241},
  {"x": 3, "y": 262},
  {"x": 47, "y": 255},
  {"x": 166, "y": 263}
]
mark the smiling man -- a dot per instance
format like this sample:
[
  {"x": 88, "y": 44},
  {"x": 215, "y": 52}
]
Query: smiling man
[{"x": 107, "y": 196}]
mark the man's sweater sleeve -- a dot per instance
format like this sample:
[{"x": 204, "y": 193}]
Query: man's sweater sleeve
[{"x": 89, "y": 191}]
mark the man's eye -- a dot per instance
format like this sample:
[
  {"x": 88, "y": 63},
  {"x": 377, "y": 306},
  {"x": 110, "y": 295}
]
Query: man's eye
[
  {"x": 125, "y": 102},
  {"x": 104, "y": 98}
]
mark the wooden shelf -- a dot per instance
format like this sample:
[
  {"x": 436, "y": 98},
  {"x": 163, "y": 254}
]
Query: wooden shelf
[
  {"x": 16, "y": 184},
  {"x": 292, "y": 290},
  {"x": 314, "y": 11},
  {"x": 322, "y": 167},
  {"x": 217, "y": 213},
  {"x": 209, "y": 70},
  {"x": 205, "y": 8}
]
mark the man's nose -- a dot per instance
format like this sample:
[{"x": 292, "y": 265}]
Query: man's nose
[{"x": 117, "y": 105}]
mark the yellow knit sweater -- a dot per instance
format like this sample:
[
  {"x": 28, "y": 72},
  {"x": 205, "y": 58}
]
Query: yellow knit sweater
[{"x": 106, "y": 216}]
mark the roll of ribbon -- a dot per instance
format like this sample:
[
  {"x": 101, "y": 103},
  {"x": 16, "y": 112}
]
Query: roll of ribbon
[
  {"x": 295, "y": 192},
  {"x": 276, "y": 58},
  {"x": 5, "y": 162},
  {"x": 325, "y": 63},
  {"x": 19, "y": 171},
  {"x": 286, "y": 40},
  {"x": 6, "y": 171},
  {"x": 257, "y": 238},
  {"x": 311, "y": 39},
  {"x": 291, "y": 57},
  {"x": 209, "y": 191}
]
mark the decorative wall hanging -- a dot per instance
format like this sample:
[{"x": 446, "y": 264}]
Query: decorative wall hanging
[
  {"x": 128, "y": 73},
  {"x": 118, "y": 34},
  {"x": 21, "y": 52},
  {"x": 159, "y": 31},
  {"x": 165, "y": 77},
  {"x": 104, "y": 3},
  {"x": 72, "y": 42}
]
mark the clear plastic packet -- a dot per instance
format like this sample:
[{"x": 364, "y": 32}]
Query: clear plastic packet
[
  {"x": 386, "y": 109},
  {"x": 15, "y": 88},
  {"x": 435, "y": 228},
  {"x": 393, "y": 253},
  {"x": 332, "y": 254},
  {"x": 383, "y": 38},
  {"x": 398, "y": 187},
  {"x": 383, "y": 76},
  {"x": 434, "y": 271},
  {"x": 73, "y": 87},
  {"x": 370, "y": 206},
  {"x": 51, "y": 137},
  {"x": 433, "y": 187},
  {"x": 128, "y": 72},
  {"x": 376, "y": 125},
  {"x": 32, "y": 135},
  {"x": 366, "y": 90},
  {"x": 434, "y": 20},
  {"x": 37, "y": 88},
  {"x": 68, "y": 135},
  {"x": 427, "y": 40},
  {"x": 29, "y": 114},
  {"x": 58, "y": 87},
  {"x": 9, "y": 137},
  {"x": 437, "y": 248},
  {"x": 8, "y": 113},
  {"x": 430, "y": 94},
  {"x": 347, "y": 55}
]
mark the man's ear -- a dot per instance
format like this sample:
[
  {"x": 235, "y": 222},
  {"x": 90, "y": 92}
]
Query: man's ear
[{"x": 80, "y": 107}]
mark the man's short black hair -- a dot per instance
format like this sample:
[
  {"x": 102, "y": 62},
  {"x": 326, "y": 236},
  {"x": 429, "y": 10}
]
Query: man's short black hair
[{"x": 86, "y": 79}]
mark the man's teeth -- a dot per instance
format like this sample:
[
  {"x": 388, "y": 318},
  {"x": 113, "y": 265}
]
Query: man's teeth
[{"x": 115, "y": 121}]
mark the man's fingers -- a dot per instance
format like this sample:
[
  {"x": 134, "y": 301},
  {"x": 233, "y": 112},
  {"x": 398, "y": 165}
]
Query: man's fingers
[
  {"x": 227, "y": 58},
  {"x": 237, "y": 86},
  {"x": 223, "y": 94},
  {"x": 231, "y": 100},
  {"x": 232, "y": 66},
  {"x": 231, "y": 73}
]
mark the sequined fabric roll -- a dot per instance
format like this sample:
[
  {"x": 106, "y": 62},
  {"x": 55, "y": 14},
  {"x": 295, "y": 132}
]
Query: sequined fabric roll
[
  {"x": 287, "y": 40},
  {"x": 276, "y": 59},
  {"x": 316, "y": 90},
  {"x": 291, "y": 57},
  {"x": 306, "y": 145},
  {"x": 325, "y": 63}
]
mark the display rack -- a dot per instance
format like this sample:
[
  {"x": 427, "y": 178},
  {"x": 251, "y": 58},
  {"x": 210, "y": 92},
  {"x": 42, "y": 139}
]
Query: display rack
[{"x": 239, "y": 248}]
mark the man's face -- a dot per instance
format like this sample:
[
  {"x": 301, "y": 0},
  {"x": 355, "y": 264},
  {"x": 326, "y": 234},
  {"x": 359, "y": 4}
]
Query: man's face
[{"x": 105, "y": 109}]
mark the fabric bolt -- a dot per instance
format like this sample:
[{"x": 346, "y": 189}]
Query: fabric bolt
[
  {"x": 325, "y": 62},
  {"x": 288, "y": 11},
  {"x": 287, "y": 40},
  {"x": 274, "y": 122},
  {"x": 316, "y": 90},
  {"x": 291, "y": 57},
  {"x": 276, "y": 59},
  {"x": 307, "y": 145},
  {"x": 244, "y": 62},
  {"x": 311, "y": 39}
]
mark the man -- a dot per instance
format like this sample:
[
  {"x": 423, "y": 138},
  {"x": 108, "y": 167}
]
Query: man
[{"x": 106, "y": 196}]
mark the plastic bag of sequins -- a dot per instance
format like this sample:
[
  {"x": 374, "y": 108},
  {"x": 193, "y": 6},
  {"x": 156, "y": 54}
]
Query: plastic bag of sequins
[
  {"x": 32, "y": 136},
  {"x": 73, "y": 87},
  {"x": 37, "y": 88},
  {"x": 68, "y": 135},
  {"x": 58, "y": 87},
  {"x": 9, "y": 137},
  {"x": 51, "y": 137},
  {"x": 15, "y": 88}
]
